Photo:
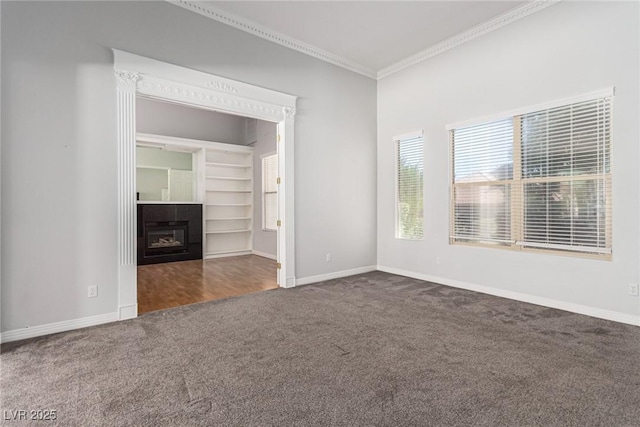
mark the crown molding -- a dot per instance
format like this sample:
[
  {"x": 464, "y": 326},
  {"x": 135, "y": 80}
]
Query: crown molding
[
  {"x": 251, "y": 27},
  {"x": 466, "y": 36}
]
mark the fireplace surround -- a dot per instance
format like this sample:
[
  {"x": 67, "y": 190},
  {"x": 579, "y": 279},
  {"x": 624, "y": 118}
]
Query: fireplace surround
[{"x": 169, "y": 232}]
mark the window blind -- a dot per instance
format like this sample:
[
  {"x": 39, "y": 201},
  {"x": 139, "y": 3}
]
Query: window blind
[
  {"x": 269, "y": 192},
  {"x": 410, "y": 187},
  {"x": 566, "y": 176},
  {"x": 540, "y": 179},
  {"x": 482, "y": 184}
]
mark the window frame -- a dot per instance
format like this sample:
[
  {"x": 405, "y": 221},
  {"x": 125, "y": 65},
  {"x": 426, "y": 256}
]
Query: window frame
[
  {"x": 263, "y": 159},
  {"x": 518, "y": 182},
  {"x": 397, "y": 140}
]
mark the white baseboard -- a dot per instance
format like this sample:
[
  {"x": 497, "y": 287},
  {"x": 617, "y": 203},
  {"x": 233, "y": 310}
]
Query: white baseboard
[
  {"x": 128, "y": 311},
  {"x": 532, "y": 299},
  {"x": 335, "y": 275},
  {"x": 264, "y": 254},
  {"x": 291, "y": 282},
  {"x": 52, "y": 328},
  {"x": 227, "y": 254}
]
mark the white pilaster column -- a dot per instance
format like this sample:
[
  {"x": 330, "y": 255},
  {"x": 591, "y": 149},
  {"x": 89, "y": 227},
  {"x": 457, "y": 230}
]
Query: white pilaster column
[
  {"x": 127, "y": 212},
  {"x": 286, "y": 146}
]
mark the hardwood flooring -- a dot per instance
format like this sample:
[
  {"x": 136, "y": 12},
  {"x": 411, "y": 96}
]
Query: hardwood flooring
[{"x": 178, "y": 283}]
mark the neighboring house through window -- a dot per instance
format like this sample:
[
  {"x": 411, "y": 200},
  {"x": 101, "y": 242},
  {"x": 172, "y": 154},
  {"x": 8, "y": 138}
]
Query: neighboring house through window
[{"x": 536, "y": 180}]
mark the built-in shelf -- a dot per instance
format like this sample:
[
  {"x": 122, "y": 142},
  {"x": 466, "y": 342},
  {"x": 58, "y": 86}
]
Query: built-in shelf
[
  {"x": 222, "y": 179},
  {"x": 229, "y": 178},
  {"x": 246, "y": 230},
  {"x": 231, "y": 171},
  {"x": 228, "y": 165}
]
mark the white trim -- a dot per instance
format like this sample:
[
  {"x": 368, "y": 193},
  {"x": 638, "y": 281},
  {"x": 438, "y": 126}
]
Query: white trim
[
  {"x": 409, "y": 135},
  {"x": 603, "y": 93},
  {"x": 286, "y": 192},
  {"x": 335, "y": 275},
  {"x": 1, "y": 162},
  {"x": 291, "y": 282},
  {"x": 186, "y": 80},
  {"x": 565, "y": 247},
  {"x": 53, "y": 328},
  {"x": 466, "y": 36},
  {"x": 126, "y": 81},
  {"x": 193, "y": 145},
  {"x": 397, "y": 140},
  {"x": 531, "y": 299},
  {"x": 396, "y": 184},
  {"x": 258, "y": 30},
  {"x": 263, "y": 193},
  {"x": 475, "y": 239},
  {"x": 227, "y": 254},
  {"x": 128, "y": 311},
  {"x": 140, "y": 76},
  {"x": 264, "y": 254},
  {"x": 270, "y": 153}
]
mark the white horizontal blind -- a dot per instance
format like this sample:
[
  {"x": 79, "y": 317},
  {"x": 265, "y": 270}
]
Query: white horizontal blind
[
  {"x": 269, "y": 192},
  {"x": 410, "y": 188},
  {"x": 538, "y": 180},
  {"x": 566, "y": 177},
  {"x": 482, "y": 182}
]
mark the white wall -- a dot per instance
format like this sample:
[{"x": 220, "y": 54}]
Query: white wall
[
  {"x": 168, "y": 119},
  {"x": 568, "y": 49},
  {"x": 59, "y": 235},
  {"x": 263, "y": 241}
]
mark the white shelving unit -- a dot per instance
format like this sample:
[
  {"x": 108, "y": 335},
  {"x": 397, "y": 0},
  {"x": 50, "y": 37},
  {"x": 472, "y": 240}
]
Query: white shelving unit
[
  {"x": 228, "y": 200},
  {"x": 223, "y": 183}
]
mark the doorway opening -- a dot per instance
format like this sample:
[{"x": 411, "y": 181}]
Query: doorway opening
[
  {"x": 137, "y": 76},
  {"x": 201, "y": 228}
]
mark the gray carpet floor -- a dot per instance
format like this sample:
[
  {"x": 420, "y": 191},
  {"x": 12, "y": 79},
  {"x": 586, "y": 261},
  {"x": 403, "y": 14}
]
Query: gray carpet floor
[{"x": 369, "y": 350}]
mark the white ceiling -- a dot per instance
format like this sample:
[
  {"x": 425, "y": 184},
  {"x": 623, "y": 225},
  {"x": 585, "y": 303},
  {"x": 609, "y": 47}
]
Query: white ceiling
[
  {"x": 374, "y": 38},
  {"x": 374, "y": 34}
]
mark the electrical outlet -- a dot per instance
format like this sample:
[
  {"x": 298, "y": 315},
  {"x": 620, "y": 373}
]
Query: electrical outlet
[
  {"x": 328, "y": 257},
  {"x": 92, "y": 291},
  {"x": 633, "y": 289},
  {"x": 438, "y": 260}
]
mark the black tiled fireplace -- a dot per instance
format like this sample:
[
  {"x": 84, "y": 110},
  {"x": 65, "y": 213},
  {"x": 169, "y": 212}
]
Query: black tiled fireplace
[{"x": 169, "y": 232}]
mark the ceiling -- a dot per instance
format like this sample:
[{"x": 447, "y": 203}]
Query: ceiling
[{"x": 370, "y": 37}]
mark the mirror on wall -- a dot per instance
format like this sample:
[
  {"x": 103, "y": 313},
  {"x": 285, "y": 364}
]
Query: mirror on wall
[{"x": 164, "y": 174}]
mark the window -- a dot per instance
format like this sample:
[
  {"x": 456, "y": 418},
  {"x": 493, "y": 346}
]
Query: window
[
  {"x": 536, "y": 180},
  {"x": 269, "y": 192},
  {"x": 409, "y": 190}
]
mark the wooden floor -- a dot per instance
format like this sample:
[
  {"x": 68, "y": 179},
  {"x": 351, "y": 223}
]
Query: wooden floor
[{"x": 187, "y": 282}]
